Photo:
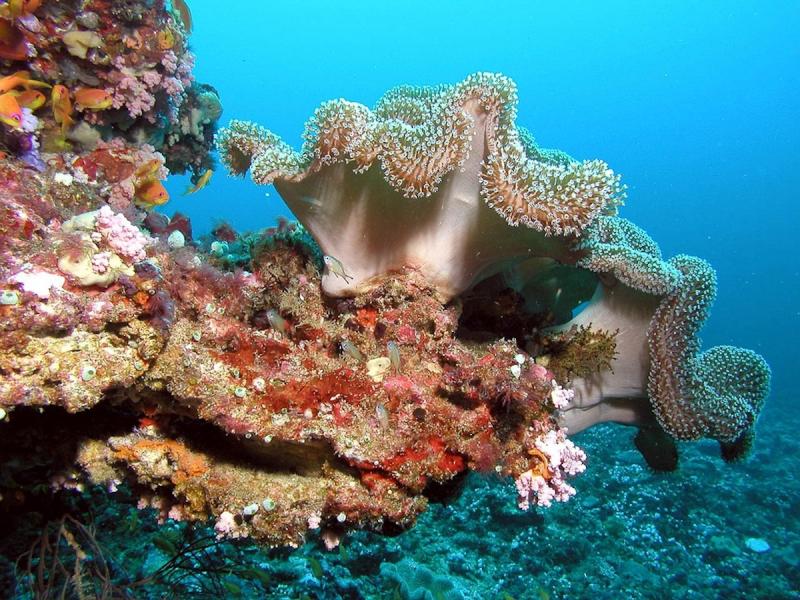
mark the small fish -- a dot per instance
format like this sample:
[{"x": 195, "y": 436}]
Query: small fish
[
  {"x": 184, "y": 13},
  {"x": 394, "y": 356},
  {"x": 201, "y": 183},
  {"x": 253, "y": 573},
  {"x": 350, "y": 349},
  {"x": 151, "y": 193},
  {"x": 276, "y": 321},
  {"x": 336, "y": 267},
  {"x": 148, "y": 170},
  {"x": 343, "y": 553},
  {"x": 316, "y": 567},
  {"x": 31, "y": 99},
  {"x": 10, "y": 111},
  {"x": 17, "y": 8},
  {"x": 62, "y": 107},
  {"x": 164, "y": 544},
  {"x": 232, "y": 588},
  {"x": 20, "y": 79},
  {"x": 92, "y": 99},
  {"x": 382, "y": 415}
]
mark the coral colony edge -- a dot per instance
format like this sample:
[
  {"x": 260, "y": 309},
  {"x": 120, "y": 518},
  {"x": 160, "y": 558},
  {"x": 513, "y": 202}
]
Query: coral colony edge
[{"x": 454, "y": 298}]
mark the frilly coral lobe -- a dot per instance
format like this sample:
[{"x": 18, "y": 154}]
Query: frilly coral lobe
[
  {"x": 657, "y": 308},
  {"x": 415, "y": 181},
  {"x": 717, "y": 393}
]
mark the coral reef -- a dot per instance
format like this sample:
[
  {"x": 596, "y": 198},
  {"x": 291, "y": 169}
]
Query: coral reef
[
  {"x": 339, "y": 414},
  {"x": 111, "y": 71},
  {"x": 344, "y": 373}
]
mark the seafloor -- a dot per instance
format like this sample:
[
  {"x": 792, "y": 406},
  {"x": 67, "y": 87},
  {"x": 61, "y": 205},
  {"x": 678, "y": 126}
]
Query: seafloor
[{"x": 630, "y": 533}]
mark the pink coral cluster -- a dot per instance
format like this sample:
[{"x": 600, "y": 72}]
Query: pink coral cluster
[
  {"x": 121, "y": 235},
  {"x": 563, "y": 458},
  {"x": 560, "y": 396},
  {"x": 101, "y": 262},
  {"x": 226, "y": 526},
  {"x": 133, "y": 93},
  {"x": 136, "y": 89}
]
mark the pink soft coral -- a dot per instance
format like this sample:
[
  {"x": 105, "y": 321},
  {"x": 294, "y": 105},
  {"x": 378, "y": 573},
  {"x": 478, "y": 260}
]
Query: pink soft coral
[
  {"x": 563, "y": 458},
  {"x": 122, "y": 236},
  {"x": 133, "y": 95}
]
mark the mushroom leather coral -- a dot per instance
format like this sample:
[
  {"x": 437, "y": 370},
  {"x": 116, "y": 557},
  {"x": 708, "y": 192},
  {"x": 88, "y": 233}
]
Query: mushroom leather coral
[
  {"x": 717, "y": 393},
  {"x": 437, "y": 178},
  {"x": 659, "y": 375}
]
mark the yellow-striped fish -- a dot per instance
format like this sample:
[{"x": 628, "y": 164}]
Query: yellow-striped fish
[{"x": 201, "y": 183}]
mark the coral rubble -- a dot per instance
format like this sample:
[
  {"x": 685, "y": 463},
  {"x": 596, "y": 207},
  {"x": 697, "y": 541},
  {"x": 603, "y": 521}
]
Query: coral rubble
[{"x": 343, "y": 373}]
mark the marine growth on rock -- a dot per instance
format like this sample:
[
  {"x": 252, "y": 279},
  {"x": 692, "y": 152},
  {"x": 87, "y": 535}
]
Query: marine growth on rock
[{"x": 420, "y": 321}]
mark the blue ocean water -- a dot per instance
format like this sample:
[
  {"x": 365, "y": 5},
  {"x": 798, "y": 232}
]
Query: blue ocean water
[{"x": 696, "y": 104}]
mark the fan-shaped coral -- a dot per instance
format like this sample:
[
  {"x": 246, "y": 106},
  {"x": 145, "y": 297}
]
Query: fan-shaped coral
[{"x": 411, "y": 183}]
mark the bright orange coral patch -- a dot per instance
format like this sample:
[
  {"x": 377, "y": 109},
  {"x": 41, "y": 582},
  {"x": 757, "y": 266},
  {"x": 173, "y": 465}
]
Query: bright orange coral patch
[
  {"x": 367, "y": 317},
  {"x": 185, "y": 463}
]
